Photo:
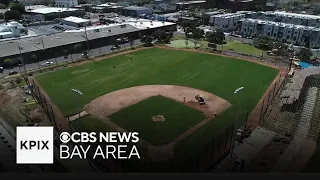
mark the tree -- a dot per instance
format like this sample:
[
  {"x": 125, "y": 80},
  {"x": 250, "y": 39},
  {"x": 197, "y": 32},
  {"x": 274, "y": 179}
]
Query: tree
[
  {"x": 146, "y": 40},
  {"x": 197, "y": 33},
  {"x": 263, "y": 43},
  {"x": 305, "y": 54},
  {"x": 5, "y": 2},
  {"x": 34, "y": 58},
  {"x": 77, "y": 48},
  {"x": 216, "y": 37},
  {"x": 8, "y": 61},
  {"x": 187, "y": 26},
  {"x": 195, "y": 44},
  {"x": 12, "y": 14},
  {"x": 257, "y": 8},
  {"x": 18, "y": 7},
  {"x": 316, "y": 10},
  {"x": 160, "y": 35},
  {"x": 2, "y": 6},
  {"x": 281, "y": 49},
  {"x": 131, "y": 41}
]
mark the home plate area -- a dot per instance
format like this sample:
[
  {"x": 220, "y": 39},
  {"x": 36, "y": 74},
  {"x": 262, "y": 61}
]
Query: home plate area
[{"x": 162, "y": 114}]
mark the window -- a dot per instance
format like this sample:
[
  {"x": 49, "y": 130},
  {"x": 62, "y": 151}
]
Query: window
[{"x": 294, "y": 38}]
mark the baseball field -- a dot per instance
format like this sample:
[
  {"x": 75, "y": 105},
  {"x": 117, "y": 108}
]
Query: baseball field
[{"x": 153, "y": 91}]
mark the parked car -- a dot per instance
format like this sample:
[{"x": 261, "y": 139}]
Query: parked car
[
  {"x": 115, "y": 47},
  {"x": 13, "y": 73},
  {"x": 85, "y": 54},
  {"x": 47, "y": 63},
  {"x": 125, "y": 39}
]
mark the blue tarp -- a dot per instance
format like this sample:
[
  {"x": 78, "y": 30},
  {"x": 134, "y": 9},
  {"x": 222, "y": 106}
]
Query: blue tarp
[{"x": 305, "y": 64}]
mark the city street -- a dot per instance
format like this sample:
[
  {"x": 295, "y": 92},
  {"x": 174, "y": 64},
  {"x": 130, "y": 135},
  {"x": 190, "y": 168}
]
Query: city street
[{"x": 71, "y": 57}]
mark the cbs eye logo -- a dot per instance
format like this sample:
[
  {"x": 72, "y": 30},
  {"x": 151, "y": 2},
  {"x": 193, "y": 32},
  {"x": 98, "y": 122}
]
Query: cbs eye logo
[
  {"x": 78, "y": 137},
  {"x": 65, "y": 137}
]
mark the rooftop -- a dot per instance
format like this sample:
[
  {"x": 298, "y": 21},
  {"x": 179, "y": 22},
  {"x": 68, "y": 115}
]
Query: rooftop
[
  {"x": 105, "y": 5},
  {"x": 28, "y": 8},
  {"x": 31, "y": 44},
  {"x": 49, "y": 10},
  {"x": 76, "y": 19},
  {"x": 134, "y": 8},
  {"x": 306, "y": 16},
  {"x": 191, "y": 2},
  {"x": 281, "y": 24}
]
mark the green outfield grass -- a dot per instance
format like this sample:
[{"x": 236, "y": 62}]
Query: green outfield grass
[
  {"x": 242, "y": 48},
  {"x": 178, "y": 119},
  {"x": 215, "y": 74}
]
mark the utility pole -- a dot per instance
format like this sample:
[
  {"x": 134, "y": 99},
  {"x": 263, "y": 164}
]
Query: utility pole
[
  {"x": 21, "y": 59},
  {"x": 86, "y": 34},
  {"x": 42, "y": 51}
]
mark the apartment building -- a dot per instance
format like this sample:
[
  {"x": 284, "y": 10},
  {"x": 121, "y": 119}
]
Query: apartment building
[
  {"x": 227, "y": 22},
  {"x": 282, "y": 32}
]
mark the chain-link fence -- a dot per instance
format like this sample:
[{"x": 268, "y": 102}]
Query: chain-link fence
[{"x": 201, "y": 161}]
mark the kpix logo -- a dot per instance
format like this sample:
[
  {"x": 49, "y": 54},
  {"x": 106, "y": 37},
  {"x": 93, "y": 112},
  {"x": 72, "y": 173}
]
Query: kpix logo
[
  {"x": 34, "y": 145},
  {"x": 29, "y": 145}
]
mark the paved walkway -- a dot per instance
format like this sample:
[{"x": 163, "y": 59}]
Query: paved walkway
[{"x": 77, "y": 116}]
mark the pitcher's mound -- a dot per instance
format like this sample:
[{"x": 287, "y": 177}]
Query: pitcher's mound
[{"x": 158, "y": 118}]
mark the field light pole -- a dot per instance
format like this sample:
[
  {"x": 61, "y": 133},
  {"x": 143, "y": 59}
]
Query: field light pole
[{"x": 80, "y": 93}]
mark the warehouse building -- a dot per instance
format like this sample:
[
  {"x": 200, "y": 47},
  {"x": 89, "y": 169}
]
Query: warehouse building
[
  {"x": 12, "y": 29},
  {"x": 136, "y": 11},
  {"x": 76, "y": 22},
  {"x": 98, "y": 36},
  {"x": 51, "y": 13}
]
